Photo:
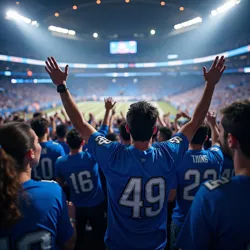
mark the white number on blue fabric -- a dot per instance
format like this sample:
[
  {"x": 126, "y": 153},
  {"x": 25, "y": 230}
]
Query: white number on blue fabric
[
  {"x": 41, "y": 238},
  {"x": 194, "y": 173},
  {"x": 211, "y": 185},
  {"x": 134, "y": 189},
  {"x": 228, "y": 173},
  {"x": 46, "y": 170},
  {"x": 82, "y": 180}
]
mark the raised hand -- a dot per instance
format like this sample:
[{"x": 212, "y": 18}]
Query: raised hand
[
  {"x": 113, "y": 112},
  {"x": 56, "y": 74},
  {"x": 211, "y": 118},
  {"x": 109, "y": 103},
  {"x": 214, "y": 74}
]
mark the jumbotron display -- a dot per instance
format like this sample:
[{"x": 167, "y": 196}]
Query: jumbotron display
[{"x": 123, "y": 47}]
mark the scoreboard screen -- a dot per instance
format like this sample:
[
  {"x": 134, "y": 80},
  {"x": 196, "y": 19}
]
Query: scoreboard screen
[{"x": 123, "y": 47}]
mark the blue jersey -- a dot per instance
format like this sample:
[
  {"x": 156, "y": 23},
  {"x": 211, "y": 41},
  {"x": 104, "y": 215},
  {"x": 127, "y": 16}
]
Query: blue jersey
[
  {"x": 219, "y": 218},
  {"x": 65, "y": 146},
  {"x": 45, "y": 170},
  {"x": 227, "y": 168},
  {"x": 81, "y": 172},
  {"x": 103, "y": 130},
  {"x": 196, "y": 167},
  {"x": 45, "y": 222},
  {"x": 138, "y": 184}
]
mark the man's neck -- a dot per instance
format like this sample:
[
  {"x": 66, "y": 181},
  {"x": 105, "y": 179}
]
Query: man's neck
[
  {"x": 241, "y": 164},
  {"x": 126, "y": 142},
  {"x": 75, "y": 151},
  {"x": 43, "y": 139},
  {"x": 197, "y": 147},
  {"x": 142, "y": 145},
  {"x": 63, "y": 139}
]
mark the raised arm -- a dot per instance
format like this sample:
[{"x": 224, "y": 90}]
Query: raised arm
[
  {"x": 111, "y": 121},
  {"x": 211, "y": 77},
  {"x": 109, "y": 105},
  {"x": 211, "y": 120},
  {"x": 59, "y": 78}
]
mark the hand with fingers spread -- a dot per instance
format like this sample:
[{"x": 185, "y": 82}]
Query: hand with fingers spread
[
  {"x": 214, "y": 74},
  {"x": 56, "y": 74},
  {"x": 109, "y": 103}
]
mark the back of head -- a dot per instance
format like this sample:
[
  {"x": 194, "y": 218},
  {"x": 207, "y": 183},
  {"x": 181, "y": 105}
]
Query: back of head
[
  {"x": 61, "y": 130},
  {"x": 123, "y": 133},
  {"x": 200, "y": 135},
  {"x": 112, "y": 137},
  {"x": 236, "y": 121},
  {"x": 15, "y": 141},
  {"x": 37, "y": 114},
  {"x": 165, "y": 134},
  {"x": 74, "y": 139},
  {"x": 40, "y": 126},
  {"x": 141, "y": 119}
]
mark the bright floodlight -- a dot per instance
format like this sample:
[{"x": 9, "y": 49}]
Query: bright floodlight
[
  {"x": 17, "y": 17},
  {"x": 61, "y": 30},
  {"x": 188, "y": 23},
  {"x": 152, "y": 32},
  {"x": 95, "y": 35},
  {"x": 225, "y": 7}
]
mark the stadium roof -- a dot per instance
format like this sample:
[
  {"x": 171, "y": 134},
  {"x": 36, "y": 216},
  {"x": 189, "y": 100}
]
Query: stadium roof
[{"x": 114, "y": 19}]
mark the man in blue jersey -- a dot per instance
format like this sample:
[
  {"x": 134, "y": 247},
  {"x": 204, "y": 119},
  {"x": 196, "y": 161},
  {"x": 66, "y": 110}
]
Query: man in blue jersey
[
  {"x": 219, "y": 216},
  {"x": 61, "y": 132},
  {"x": 139, "y": 177},
  {"x": 50, "y": 151},
  {"x": 197, "y": 166},
  {"x": 81, "y": 172}
]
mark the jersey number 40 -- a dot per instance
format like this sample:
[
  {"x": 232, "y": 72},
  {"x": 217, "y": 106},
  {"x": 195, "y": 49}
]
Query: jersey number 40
[{"x": 134, "y": 189}]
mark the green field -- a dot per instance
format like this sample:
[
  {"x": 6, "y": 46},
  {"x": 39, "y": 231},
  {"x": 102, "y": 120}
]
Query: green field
[{"x": 97, "y": 108}]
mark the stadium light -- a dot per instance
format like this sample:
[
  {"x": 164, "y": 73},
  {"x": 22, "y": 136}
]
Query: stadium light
[
  {"x": 17, "y": 17},
  {"x": 171, "y": 57},
  {"x": 152, "y": 32},
  {"x": 188, "y": 23},
  {"x": 61, "y": 30},
  {"x": 95, "y": 35},
  {"x": 225, "y": 7}
]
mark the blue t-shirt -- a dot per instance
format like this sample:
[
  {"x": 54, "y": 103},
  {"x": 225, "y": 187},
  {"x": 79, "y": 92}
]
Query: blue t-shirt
[
  {"x": 219, "y": 217},
  {"x": 104, "y": 129},
  {"x": 64, "y": 145},
  {"x": 138, "y": 184},
  {"x": 81, "y": 172},
  {"x": 45, "y": 222},
  {"x": 227, "y": 168},
  {"x": 45, "y": 170},
  {"x": 196, "y": 167}
]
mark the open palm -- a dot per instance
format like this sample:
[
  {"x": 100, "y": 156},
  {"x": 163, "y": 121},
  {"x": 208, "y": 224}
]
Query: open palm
[
  {"x": 56, "y": 74},
  {"x": 214, "y": 74}
]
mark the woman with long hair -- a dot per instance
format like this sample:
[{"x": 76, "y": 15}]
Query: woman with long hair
[{"x": 33, "y": 215}]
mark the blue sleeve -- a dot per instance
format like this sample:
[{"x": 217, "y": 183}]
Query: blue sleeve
[
  {"x": 102, "y": 150},
  {"x": 176, "y": 147},
  {"x": 196, "y": 233},
  {"x": 61, "y": 150},
  {"x": 104, "y": 129},
  {"x": 65, "y": 230},
  {"x": 216, "y": 152},
  {"x": 57, "y": 168}
]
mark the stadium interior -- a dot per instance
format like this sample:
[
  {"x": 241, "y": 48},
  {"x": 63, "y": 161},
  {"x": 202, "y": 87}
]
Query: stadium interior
[{"x": 130, "y": 50}]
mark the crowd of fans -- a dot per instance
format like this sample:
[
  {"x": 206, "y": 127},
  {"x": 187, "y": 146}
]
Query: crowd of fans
[{"x": 126, "y": 174}]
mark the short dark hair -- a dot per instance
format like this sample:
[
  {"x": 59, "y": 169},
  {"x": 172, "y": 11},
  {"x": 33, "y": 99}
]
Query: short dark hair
[
  {"x": 61, "y": 130},
  {"x": 37, "y": 114},
  {"x": 236, "y": 121},
  {"x": 141, "y": 119},
  {"x": 112, "y": 137},
  {"x": 123, "y": 133},
  {"x": 40, "y": 126},
  {"x": 165, "y": 133},
  {"x": 200, "y": 135},
  {"x": 74, "y": 139}
]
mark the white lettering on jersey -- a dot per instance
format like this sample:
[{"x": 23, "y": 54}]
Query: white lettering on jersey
[
  {"x": 211, "y": 185},
  {"x": 200, "y": 158},
  {"x": 176, "y": 139},
  {"x": 102, "y": 140},
  {"x": 44, "y": 151}
]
